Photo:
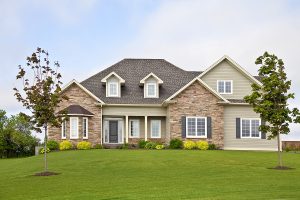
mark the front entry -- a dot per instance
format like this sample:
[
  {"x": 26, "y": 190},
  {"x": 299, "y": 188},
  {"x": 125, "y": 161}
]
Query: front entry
[{"x": 113, "y": 131}]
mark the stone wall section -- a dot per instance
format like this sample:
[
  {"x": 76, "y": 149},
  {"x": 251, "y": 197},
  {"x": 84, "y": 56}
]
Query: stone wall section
[
  {"x": 79, "y": 97},
  {"x": 196, "y": 100}
]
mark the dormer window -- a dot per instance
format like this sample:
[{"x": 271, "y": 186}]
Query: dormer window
[
  {"x": 151, "y": 85},
  {"x": 113, "y": 88},
  {"x": 113, "y": 84},
  {"x": 151, "y": 90}
]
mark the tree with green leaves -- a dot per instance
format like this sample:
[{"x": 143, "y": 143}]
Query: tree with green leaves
[
  {"x": 15, "y": 136},
  {"x": 270, "y": 99},
  {"x": 41, "y": 95}
]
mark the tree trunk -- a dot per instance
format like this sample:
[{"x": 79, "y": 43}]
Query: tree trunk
[
  {"x": 279, "y": 151},
  {"x": 45, "y": 150}
]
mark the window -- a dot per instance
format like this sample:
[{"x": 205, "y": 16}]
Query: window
[
  {"x": 134, "y": 128},
  {"x": 85, "y": 128},
  {"x": 155, "y": 129},
  {"x": 196, "y": 127},
  {"x": 250, "y": 128},
  {"x": 113, "y": 90},
  {"x": 64, "y": 130},
  {"x": 73, "y": 127},
  {"x": 151, "y": 90},
  {"x": 224, "y": 87}
]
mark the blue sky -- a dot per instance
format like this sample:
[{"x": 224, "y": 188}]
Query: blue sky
[{"x": 88, "y": 36}]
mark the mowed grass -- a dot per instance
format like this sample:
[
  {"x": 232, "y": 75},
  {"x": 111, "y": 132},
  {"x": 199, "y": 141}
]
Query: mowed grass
[{"x": 142, "y": 174}]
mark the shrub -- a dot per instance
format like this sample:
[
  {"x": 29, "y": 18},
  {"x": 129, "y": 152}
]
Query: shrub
[
  {"x": 52, "y": 145},
  {"x": 98, "y": 146},
  {"x": 142, "y": 144},
  {"x": 212, "y": 147},
  {"x": 188, "y": 144},
  {"x": 65, "y": 145},
  {"x": 84, "y": 145},
  {"x": 176, "y": 144},
  {"x": 42, "y": 150},
  {"x": 150, "y": 145},
  {"x": 160, "y": 146},
  {"x": 202, "y": 145},
  {"x": 287, "y": 149}
]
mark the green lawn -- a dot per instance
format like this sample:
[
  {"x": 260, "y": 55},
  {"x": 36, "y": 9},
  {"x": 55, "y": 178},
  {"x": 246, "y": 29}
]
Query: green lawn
[{"x": 142, "y": 174}]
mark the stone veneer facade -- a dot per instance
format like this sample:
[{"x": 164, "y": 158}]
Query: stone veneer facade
[
  {"x": 196, "y": 100},
  {"x": 79, "y": 97}
]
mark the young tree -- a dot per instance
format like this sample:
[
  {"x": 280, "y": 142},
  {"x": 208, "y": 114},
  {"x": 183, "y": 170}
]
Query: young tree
[
  {"x": 270, "y": 99},
  {"x": 41, "y": 95}
]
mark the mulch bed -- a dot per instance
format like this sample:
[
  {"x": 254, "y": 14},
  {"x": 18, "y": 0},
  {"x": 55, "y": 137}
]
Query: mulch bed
[
  {"x": 281, "y": 168},
  {"x": 46, "y": 174}
]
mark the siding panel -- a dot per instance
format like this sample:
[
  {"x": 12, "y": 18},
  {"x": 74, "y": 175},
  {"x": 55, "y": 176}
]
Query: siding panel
[
  {"x": 230, "y": 141},
  {"x": 225, "y": 71}
]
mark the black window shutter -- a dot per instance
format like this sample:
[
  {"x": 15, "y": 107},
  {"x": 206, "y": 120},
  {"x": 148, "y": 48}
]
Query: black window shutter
[
  {"x": 209, "y": 127},
  {"x": 263, "y": 134},
  {"x": 183, "y": 127},
  {"x": 238, "y": 128}
]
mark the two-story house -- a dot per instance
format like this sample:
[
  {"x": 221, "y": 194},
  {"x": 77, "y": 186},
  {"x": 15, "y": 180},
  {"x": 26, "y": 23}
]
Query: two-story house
[{"x": 152, "y": 99}]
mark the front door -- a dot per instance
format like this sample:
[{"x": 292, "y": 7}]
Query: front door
[{"x": 113, "y": 131}]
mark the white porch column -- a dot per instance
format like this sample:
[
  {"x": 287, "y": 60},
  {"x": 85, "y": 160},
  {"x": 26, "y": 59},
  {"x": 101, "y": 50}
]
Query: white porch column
[
  {"x": 146, "y": 128},
  {"x": 126, "y": 128}
]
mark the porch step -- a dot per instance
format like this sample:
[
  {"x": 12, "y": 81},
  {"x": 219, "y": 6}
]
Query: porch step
[{"x": 111, "y": 146}]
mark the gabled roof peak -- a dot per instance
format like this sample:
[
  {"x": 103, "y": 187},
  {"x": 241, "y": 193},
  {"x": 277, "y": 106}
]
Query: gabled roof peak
[
  {"x": 151, "y": 75},
  {"x": 112, "y": 74},
  {"x": 235, "y": 65}
]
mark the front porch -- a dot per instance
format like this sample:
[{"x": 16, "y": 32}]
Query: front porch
[{"x": 118, "y": 130}]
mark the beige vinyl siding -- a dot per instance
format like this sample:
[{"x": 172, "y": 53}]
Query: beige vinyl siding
[
  {"x": 230, "y": 140},
  {"x": 225, "y": 71},
  {"x": 133, "y": 111}
]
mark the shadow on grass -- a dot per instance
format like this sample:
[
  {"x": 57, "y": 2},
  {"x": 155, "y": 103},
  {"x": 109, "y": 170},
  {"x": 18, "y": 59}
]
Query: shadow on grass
[
  {"x": 281, "y": 168},
  {"x": 46, "y": 174}
]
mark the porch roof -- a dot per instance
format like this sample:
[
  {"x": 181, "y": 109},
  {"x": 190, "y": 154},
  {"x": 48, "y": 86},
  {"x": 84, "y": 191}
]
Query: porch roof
[{"x": 77, "y": 110}]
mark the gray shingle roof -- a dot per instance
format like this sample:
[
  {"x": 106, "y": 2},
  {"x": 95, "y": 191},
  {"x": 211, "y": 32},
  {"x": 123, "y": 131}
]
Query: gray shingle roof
[
  {"x": 134, "y": 70},
  {"x": 237, "y": 100}
]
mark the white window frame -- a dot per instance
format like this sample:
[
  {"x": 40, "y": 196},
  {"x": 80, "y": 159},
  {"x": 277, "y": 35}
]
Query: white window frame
[
  {"x": 76, "y": 137},
  {"x": 155, "y": 90},
  {"x": 250, "y": 136},
  {"x": 159, "y": 128},
  {"x": 231, "y": 84},
  {"x": 196, "y": 118},
  {"x": 64, "y": 129},
  {"x": 109, "y": 83},
  {"x": 87, "y": 128},
  {"x": 138, "y": 134}
]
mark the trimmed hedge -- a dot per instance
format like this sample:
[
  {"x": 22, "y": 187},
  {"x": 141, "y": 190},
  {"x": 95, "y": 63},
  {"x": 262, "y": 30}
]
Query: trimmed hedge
[
  {"x": 65, "y": 145},
  {"x": 52, "y": 145},
  {"x": 202, "y": 145},
  {"x": 84, "y": 145},
  {"x": 176, "y": 144},
  {"x": 189, "y": 144}
]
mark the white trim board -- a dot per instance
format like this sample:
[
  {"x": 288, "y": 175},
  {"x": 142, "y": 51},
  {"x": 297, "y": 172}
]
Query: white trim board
[
  {"x": 153, "y": 75},
  {"x": 83, "y": 88},
  {"x": 203, "y": 84},
  {"x": 113, "y": 74}
]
